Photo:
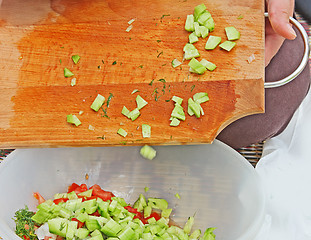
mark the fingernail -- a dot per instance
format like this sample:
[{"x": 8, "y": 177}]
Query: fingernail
[{"x": 292, "y": 31}]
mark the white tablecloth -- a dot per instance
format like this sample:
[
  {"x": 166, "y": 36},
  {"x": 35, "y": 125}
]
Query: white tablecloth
[{"x": 285, "y": 169}]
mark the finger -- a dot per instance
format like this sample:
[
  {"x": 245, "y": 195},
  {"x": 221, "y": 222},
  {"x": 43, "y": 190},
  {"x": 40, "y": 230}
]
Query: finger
[
  {"x": 272, "y": 46},
  {"x": 279, "y": 13}
]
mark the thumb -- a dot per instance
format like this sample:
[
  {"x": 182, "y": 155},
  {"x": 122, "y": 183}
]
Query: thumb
[{"x": 279, "y": 13}]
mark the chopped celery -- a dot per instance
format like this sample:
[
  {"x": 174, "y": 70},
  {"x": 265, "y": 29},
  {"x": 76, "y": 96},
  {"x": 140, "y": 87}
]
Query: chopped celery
[
  {"x": 189, "y": 23},
  {"x": 198, "y": 10},
  {"x": 193, "y": 38},
  {"x": 75, "y": 58},
  {"x": 208, "y": 234},
  {"x": 67, "y": 73},
  {"x": 98, "y": 102},
  {"x": 178, "y": 112},
  {"x": 232, "y": 33},
  {"x": 140, "y": 102},
  {"x": 195, "y": 107},
  {"x": 227, "y": 45},
  {"x": 148, "y": 152},
  {"x": 146, "y": 130},
  {"x": 73, "y": 119},
  {"x": 122, "y": 132},
  {"x": 197, "y": 66},
  {"x": 195, "y": 234},
  {"x": 188, "y": 225},
  {"x": 190, "y": 51},
  {"x": 212, "y": 42},
  {"x": 176, "y": 63},
  {"x": 209, "y": 65}
]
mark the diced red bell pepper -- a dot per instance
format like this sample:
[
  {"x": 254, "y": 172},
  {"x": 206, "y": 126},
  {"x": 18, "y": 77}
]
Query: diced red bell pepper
[
  {"x": 59, "y": 200},
  {"x": 38, "y": 197},
  {"x": 80, "y": 224},
  {"x": 98, "y": 192}
]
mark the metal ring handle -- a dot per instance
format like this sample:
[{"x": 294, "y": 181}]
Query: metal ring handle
[{"x": 304, "y": 60}]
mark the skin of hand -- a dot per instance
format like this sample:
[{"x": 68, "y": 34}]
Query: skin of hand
[{"x": 278, "y": 27}]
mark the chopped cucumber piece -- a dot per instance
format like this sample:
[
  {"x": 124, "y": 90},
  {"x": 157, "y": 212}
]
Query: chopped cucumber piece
[
  {"x": 147, "y": 211},
  {"x": 190, "y": 51},
  {"x": 67, "y": 73},
  {"x": 195, "y": 107},
  {"x": 204, "y": 17},
  {"x": 111, "y": 228},
  {"x": 176, "y": 63},
  {"x": 58, "y": 226},
  {"x": 133, "y": 115},
  {"x": 177, "y": 195},
  {"x": 209, "y": 65},
  {"x": 212, "y": 42},
  {"x": 174, "y": 122},
  {"x": 98, "y": 102},
  {"x": 146, "y": 189},
  {"x": 189, "y": 23},
  {"x": 122, "y": 132},
  {"x": 204, "y": 31},
  {"x": 125, "y": 111},
  {"x": 75, "y": 59},
  {"x": 193, "y": 38},
  {"x": 208, "y": 234},
  {"x": 166, "y": 212},
  {"x": 232, "y": 33},
  {"x": 197, "y": 29},
  {"x": 73, "y": 119},
  {"x": 158, "y": 203},
  {"x": 140, "y": 102},
  {"x": 178, "y": 112},
  {"x": 201, "y": 97},
  {"x": 195, "y": 234},
  {"x": 210, "y": 24},
  {"x": 227, "y": 45},
  {"x": 198, "y": 10},
  {"x": 148, "y": 152},
  {"x": 188, "y": 225},
  {"x": 146, "y": 130},
  {"x": 177, "y": 100},
  {"x": 197, "y": 66}
]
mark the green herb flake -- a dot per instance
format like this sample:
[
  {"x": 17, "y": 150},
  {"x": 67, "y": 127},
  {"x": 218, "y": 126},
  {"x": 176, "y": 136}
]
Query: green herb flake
[
  {"x": 177, "y": 195},
  {"x": 240, "y": 16},
  {"x": 109, "y": 99},
  {"x": 141, "y": 66},
  {"x": 151, "y": 82},
  {"x": 192, "y": 87},
  {"x": 159, "y": 41},
  {"x": 103, "y": 62},
  {"x": 159, "y": 54},
  {"x": 164, "y": 15},
  {"x": 60, "y": 61},
  {"x": 114, "y": 63}
]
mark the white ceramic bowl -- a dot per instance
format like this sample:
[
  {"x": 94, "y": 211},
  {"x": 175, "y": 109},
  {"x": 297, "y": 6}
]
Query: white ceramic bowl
[{"x": 214, "y": 182}]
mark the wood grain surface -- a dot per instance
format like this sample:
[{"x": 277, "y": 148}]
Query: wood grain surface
[{"x": 38, "y": 38}]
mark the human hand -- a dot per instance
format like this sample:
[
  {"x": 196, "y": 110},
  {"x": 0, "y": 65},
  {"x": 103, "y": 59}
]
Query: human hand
[{"x": 278, "y": 26}]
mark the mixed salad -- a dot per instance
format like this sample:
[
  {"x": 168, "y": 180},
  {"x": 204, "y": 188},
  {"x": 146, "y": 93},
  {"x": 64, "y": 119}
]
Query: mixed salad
[{"x": 95, "y": 214}]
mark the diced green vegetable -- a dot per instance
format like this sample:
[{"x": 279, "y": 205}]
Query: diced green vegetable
[
  {"x": 201, "y": 97},
  {"x": 232, "y": 33},
  {"x": 73, "y": 119},
  {"x": 146, "y": 130},
  {"x": 174, "y": 122},
  {"x": 176, "y": 63},
  {"x": 158, "y": 203},
  {"x": 189, "y": 23},
  {"x": 190, "y": 51},
  {"x": 73, "y": 82},
  {"x": 148, "y": 152},
  {"x": 197, "y": 66},
  {"x": 204, "y": 31},
  {"x": 204, "y": 17},
  {"x": 177, "y": 195},
  {"x": 198, "y": 10},
  {"x": 227, "y": 45},
  {"x": 195, "y": 107},
  {"x": 208, "y": 234},
  {"x": 67, "y": 73},
  {"x": 75, "y": 59},
  {"x": 125, "y": 111},
  {"x": 122, "y": 132},
  {"x": 178, "y": 112},
  {"x": 210, "y": 24},
  {"x": 195, "y": 234},
  {"x": 134, "y": 114},
  {"x": 178, "y": 100},
  {"x": 188, "y": 225},
  {"x": 197, "y": 29},
  {"x": 140, "y": 102},
  {"x": 193, "y": 38},
  {"x": 212, "y": 42},
  {"x": 209, "y": 65},
  {"x": 98, "y": 102}
]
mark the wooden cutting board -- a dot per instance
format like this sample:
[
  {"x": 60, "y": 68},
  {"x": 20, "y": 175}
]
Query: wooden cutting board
[{"x": 38, "y": 38}]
